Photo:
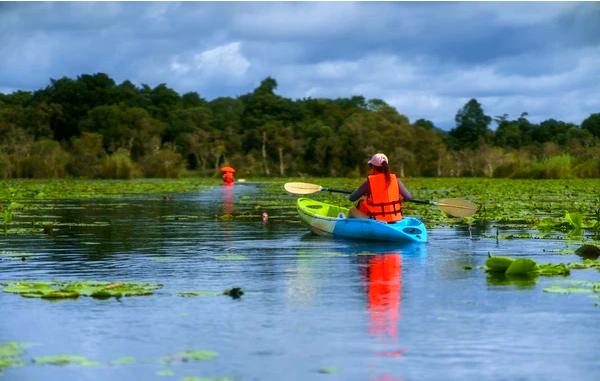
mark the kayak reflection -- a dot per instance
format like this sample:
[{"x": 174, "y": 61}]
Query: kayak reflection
[
  {"x": 384, "y": 286},
  {"x": 228, "y": 199},
  {"x": 382, "y": 280}
]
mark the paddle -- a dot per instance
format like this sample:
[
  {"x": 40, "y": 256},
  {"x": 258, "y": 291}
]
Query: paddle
[{"x": 455, "y": 207}]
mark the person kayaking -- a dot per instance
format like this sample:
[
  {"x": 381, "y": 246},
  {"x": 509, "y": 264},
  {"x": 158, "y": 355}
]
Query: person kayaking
[{"x": 383, "y": 193}]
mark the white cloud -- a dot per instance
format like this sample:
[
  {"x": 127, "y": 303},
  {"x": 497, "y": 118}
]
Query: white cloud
[{"x": 225, "y": 60}]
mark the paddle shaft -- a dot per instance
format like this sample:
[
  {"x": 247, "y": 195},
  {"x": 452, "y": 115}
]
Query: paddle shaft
[{"x": 336, "y": 190}]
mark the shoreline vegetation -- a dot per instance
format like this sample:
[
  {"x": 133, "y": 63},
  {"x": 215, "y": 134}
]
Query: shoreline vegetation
[{"x": 91, "y": 127}]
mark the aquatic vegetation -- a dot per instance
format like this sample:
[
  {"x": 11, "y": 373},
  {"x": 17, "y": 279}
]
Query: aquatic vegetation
[
  {"x": 327, "y": 370},
  {"x": 11, "y": 349},
  {"x": 190, "y": 355},
  {"x": 522, "y": 281},
  {"x": 165, "y": 373},
  {"x": 574, "y": 287},
  {"x": 62, "y": 360},
  {"x": 498, "y": 264},
  {"x": 75, "y": 289},
  {"x": 549, "y": 269},
  {"x": 9, "y": 355},
  {"x": 125, "y": 360},
  {"x": 588, "y": 251},
  {"x": 522, "y": 266},
  {"x": 192, "y": 378},
  {"x": 235, "y": 292}
]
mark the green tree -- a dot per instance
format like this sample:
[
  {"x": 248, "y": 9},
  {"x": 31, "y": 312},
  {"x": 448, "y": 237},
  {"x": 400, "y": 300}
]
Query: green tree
[
  {"x": 471, "y": 126},
  {"x": 592, "y": 124}
]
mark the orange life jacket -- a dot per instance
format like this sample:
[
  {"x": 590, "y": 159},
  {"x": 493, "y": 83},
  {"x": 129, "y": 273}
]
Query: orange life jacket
[
  {"x": 228, "y": 178},
  {"x": 385, "y": 201}
]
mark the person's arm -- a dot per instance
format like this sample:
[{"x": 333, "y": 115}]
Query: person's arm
[
  {"x": 404, "y": 192},
  {"x": 360, "y": 191}
]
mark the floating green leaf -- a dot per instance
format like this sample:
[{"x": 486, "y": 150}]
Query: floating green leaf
[
  {"x": 327, "y": 370},
  {"x": 74, "y": 289},
  {"x": 498, "y": 264},
  {"x": 521, "y": 266},
  {"x": 549, "y": 269},
  {"x": 125, "y": 360},
  {"x": 62, "y": 360},
  {"x": 190, "y": 355},
  {"x": 11, "y": 349}
]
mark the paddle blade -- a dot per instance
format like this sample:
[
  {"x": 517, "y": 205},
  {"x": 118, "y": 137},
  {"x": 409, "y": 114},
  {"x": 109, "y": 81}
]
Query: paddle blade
[
  {"x": 457, "y": 207},
  {"x": 302, "y": 188}
]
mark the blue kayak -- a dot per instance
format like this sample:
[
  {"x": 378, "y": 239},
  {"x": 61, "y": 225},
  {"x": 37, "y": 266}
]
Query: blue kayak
[{"x": 327, "y": 219}]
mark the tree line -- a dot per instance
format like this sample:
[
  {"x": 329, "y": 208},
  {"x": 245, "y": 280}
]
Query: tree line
[{"x": 92, "y": 127}]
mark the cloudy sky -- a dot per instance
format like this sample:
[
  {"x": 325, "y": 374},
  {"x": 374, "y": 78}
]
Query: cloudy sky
[{"x": 426, "y": 59}]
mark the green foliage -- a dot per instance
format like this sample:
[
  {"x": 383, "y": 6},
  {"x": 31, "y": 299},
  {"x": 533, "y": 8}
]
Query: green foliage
[
  {"x": 264, "y": 134},
  {"x": 9, "y": 353},
  {"x": 592, "y": 124},
  {"x": 47, "y": 159},
  {"x": 87, "y": 151},
  {"x": 471, "y": 126},
  {"x": 522, "y": 266},
  {"x": 118, "y": 166},
  {"x": 164, "y": 163},
  {"x": 62, "y": 360},
  {"x": 74, "y": 289},
  {"x": 498, "y": 264},
  {"x": 189, "y": 355}
]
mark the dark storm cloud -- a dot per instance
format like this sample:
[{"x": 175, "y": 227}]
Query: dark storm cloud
[{"x": 426, "y": 59}]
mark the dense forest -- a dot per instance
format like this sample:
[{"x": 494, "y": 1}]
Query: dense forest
[{"x": 92, "y": 127}]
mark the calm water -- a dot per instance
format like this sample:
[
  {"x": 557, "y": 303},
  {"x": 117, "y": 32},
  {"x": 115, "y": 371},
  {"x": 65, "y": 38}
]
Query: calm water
[{"x": 372, "y": 311}]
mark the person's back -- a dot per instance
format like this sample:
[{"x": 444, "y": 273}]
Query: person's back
[{"x": 383, "y": 193}]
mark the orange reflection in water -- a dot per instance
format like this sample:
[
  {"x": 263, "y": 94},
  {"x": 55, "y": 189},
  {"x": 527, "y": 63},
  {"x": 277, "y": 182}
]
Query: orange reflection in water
[
  {"x": 228, "y": 199},
  {"x": 384, "y": 291},
  {"x": 384, "y": 283}
]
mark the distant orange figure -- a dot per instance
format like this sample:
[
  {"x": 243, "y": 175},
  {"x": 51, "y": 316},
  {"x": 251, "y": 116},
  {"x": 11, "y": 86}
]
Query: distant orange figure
[{"x": 228, "y": 174}]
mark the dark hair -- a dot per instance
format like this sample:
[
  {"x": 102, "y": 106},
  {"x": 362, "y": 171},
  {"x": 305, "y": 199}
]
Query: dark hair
[{"x": 383, "y": 169}]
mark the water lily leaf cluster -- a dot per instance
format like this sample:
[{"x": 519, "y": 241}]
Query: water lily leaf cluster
[
  {"x": 10, "y": 353},
  {"x": 63, "y": 360},
  {"x": 75, "y": 289},
  {"x": 189, "y": 355},
  {"x": 575, "y": 287}
]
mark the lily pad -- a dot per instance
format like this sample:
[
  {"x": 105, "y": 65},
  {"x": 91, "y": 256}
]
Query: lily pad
[
  {"x": 191, "y": 355},
  {"x": 10, "y": 362},
  {"x": 498, "y": 264},
  {"x": 74, "y": 289},
  {"x": 567, "y": 290},
  {"x": 125, "y": 360},
  {"x": 549, "y": 269},
  {"x": 9, "y": 352},
  {"x": 63, "y": 360},
  {"x": 521, "y": 266},
  {"x": 11, "y": 349},
  {"x": 165, "y": 373},
  {"x": 327, "y": 370}
]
